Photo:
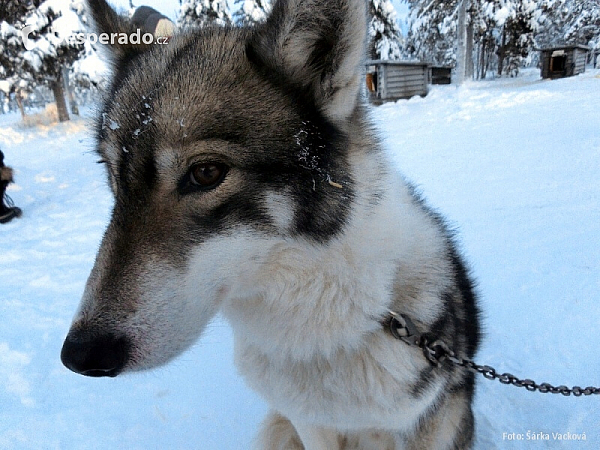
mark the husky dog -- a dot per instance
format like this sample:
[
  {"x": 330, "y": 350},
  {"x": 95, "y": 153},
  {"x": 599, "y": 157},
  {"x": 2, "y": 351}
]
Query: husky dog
[{"x": 248, "y": 180}]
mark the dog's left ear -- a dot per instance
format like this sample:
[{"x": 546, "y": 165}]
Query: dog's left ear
[
  {"x": 318, "y": 44},
  {"x": 107, "y": 21}
]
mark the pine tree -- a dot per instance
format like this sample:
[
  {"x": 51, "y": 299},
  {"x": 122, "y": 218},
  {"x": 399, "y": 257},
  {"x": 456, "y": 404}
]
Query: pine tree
[
  {"x": 14, "y": 80},
  {"x": 251, "y": 11},
  {"x": 551, "y": 22},
  {"x": 386, "y": 37},
  {"x": 54, "y": 24},
  {"x": 432, "y": 31},
  {"x": 199, "y": 13},
  {"x": 515, "y": 18},
  {"x": 11, "y": 60},
  {"x": 13, "y": 10},
  {"x": 10, "y": 50},
  {"x": 504, "y": 32},
  {"x": 583, "y": 22},
  {"x": 88, "y": 71},
  {"x": 485, "y": 36},
  {"x": 566, "y": 22}
]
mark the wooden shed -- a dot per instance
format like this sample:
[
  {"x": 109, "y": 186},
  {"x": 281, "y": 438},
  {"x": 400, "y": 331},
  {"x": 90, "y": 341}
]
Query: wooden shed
[
  {"x": 561, "y": 62},
  {"x": 393, "y": 80}
]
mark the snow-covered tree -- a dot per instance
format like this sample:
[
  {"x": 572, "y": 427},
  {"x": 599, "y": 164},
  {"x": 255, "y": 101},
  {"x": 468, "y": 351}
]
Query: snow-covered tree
[
  {"x": 199, "y": 13},
  {"x": 88, "y": 72},
  {"x": 11, "y": 49},
  {"x": 516, "y": 21},
  {"x": 13, "y": 10},
  {"x": 432, "y": 31},
  {"x": 561, "y": 22},
  {"x": 14, "y": 80},
  {"x": 251, "y": 11},
  {"x": 386, "y": 37},
  {"x": 52, "y": 46},
  {"x": 551, "y": 22},
  {"x": 584, "y": 22},
  {"x": 485, "y": 37}
]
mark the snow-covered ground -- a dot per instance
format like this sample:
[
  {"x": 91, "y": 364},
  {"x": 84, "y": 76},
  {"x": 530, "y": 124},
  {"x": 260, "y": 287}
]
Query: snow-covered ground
[{"x": 513, "y": 163}]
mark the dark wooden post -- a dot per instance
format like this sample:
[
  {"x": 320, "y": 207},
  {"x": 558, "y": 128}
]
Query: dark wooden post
[{"x": 57, "y": 87}]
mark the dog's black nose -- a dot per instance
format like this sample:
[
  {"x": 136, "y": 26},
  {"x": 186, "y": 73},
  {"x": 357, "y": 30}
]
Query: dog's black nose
[{"x": 94, "y": 356}]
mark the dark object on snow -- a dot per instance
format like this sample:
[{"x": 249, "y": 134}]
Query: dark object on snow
[
  {"x": 441, "y": 75},
  {"x": 7, "y": 209},
  {"x": 561, "y": 62},
  {"x": 151, "y": 21},
  {"x": 392, "y": 80}
]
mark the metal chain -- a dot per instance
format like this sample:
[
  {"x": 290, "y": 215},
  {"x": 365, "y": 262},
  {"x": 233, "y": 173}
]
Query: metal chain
[{"x": 436, "y": 352}]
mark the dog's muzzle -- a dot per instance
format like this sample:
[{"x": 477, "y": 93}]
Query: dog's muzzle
[{"x": 95, "y": 355}]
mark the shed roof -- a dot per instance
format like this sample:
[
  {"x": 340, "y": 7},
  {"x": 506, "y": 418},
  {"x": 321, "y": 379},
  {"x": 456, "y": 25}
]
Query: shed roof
[
  {"x": 395, "y": 62},
  {"x": 564, "y": 47}
]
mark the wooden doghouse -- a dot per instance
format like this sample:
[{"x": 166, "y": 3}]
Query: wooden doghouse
[
  {"x": 561, "y": 62},
  {"x": 393, "y": 80}
]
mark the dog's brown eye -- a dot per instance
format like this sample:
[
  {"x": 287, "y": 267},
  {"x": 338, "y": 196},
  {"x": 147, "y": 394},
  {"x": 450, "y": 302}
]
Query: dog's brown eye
[{"x": 207, "y": 176}]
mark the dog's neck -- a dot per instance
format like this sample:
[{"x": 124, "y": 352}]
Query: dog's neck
[
  {"x": 311, "y": 302},
  {"x": 309, "y": 299}
]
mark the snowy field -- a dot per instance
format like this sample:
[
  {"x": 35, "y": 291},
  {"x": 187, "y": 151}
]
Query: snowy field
[{"x": 513, "y": 163}]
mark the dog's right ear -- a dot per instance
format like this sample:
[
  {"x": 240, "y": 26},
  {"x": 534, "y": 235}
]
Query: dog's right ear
[
  {"x": 318, "y": 45},
  {"x": 108, "y": 21}
]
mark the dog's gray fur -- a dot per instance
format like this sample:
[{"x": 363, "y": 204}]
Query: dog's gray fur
[{"x": 304, "y": 239}]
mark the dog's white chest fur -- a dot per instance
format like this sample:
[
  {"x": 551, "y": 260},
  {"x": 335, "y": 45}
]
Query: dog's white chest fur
[{"x": 352, "y": 390}]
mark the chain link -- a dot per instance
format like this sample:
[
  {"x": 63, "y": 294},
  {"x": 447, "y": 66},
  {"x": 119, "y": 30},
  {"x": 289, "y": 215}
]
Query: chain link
[{"x": 436, "y": 352}]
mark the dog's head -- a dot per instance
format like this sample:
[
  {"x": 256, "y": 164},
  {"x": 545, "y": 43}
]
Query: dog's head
[{"x": 219, "y": 146}]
